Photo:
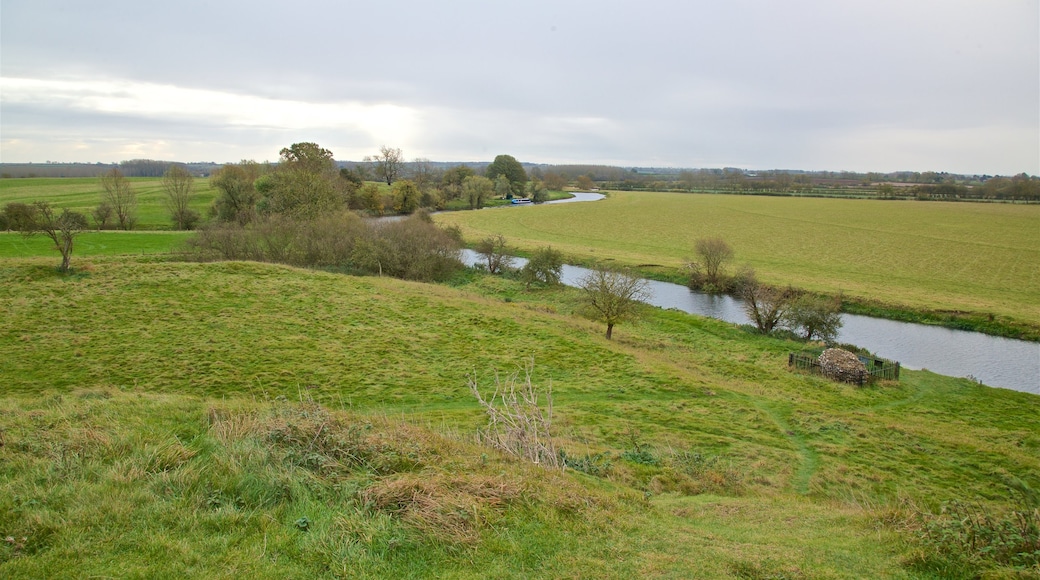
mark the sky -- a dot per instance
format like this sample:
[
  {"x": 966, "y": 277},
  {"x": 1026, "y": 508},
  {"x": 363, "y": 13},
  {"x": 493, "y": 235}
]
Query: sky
[{"x": 874, "y": 85}]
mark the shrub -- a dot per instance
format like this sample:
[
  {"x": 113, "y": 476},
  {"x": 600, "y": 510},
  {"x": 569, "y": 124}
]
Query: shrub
[
  {"x": 517, "y": 423},
  {"x": 544, "y": 267},
  {"x": 495, "y": 253},
  {"x": 815, "y": 316}
]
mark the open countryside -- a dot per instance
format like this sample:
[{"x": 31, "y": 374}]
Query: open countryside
[
  {"x": 966, "y": 257},
  {"x": 269, "y": 399}
]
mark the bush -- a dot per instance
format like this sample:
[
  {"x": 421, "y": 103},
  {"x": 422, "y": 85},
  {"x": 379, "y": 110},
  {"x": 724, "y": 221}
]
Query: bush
[
  {"x": 493, "y": 250},
  {"x": 544, "y": 267},
  {"x": 517, "y": 423},
  {"x": 815, "y": 316},
  {"x": 413, "y": 249}
]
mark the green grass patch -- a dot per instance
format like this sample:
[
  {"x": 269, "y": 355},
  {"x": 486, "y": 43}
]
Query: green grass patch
[
  {"x": 83, "y": 194},
  {"x": 243, "y": 418},
  {"x": 977, "y": 258}
]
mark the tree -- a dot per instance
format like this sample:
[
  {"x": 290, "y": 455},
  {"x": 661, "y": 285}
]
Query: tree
[
  {"x": 120, "y": 195},
  {"x": 554, "y": 181},
  {"x": 352, "y": 176},
  {"x": 179, "y": 186},
  {"x": 308, "y": 157},
  {"x": 613, "y": 295},
  {"x": 536, "y": 191},
  {"x": 451, "y": 182},
  {"x": 305, "y": 184},
  {"x": 237, "y": 199},
  {"x": 18, "y": 216},
  {"x": 766, "y": 306},
  {"x": 493, "y": 249},
  {"x": 476, "y": 190},
  {"x": 62, "y": 229},
  {"x": 388, "y": 163},
  {"x": 508, "y": 166},
  {"x": 101, "y": 214},
  {"x": 544, "y": 267},
  {"x": 502, "y": 188},
  {"x": 407, "y": 196},
  {"x": 585, "y": 182},
  {"x": 816, "y": 316},
  {"x": 708, "y": 272}
]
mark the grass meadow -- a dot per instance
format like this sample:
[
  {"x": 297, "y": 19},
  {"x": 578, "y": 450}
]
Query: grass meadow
[
  {"x": 84, "y": 194},
  {"x": 166, "y": 418},
  {"x": 979, "y": 258}
]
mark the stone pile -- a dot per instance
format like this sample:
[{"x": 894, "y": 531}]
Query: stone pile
[{"x": 842, "y": 365}]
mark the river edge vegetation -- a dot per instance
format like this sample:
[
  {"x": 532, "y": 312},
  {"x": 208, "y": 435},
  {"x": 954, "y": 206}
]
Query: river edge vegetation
[
  {"x": 961, "y": 265},
  {"x": 285, "y": 422}
]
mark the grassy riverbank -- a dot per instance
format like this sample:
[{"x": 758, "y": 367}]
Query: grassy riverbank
[
  {"x": 245, "y": 418},
  {"x": 974, "y": 264}
]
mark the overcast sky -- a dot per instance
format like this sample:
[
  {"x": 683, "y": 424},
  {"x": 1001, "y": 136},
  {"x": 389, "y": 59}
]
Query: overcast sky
[{"x": 872, "y": 85}]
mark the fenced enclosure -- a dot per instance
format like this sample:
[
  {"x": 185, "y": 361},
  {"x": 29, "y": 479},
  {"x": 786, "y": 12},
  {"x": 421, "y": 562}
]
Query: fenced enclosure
[{"x": 877, "y": 368}]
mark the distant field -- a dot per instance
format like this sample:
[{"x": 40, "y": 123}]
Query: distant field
[
  {"x": 974, "y": 257},
  {"x": 84, "y": 194}
]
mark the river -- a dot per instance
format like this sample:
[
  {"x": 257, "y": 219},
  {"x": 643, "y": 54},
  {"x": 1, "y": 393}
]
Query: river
[{"x": 995, "y": 361}]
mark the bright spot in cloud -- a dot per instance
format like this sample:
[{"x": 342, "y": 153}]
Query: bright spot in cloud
[{"x": 394, "y": 123}]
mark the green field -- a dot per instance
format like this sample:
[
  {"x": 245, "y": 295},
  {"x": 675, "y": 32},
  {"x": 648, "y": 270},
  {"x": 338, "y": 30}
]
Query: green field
[
  {"x": 979, "y": 258},
  {"x": 84, "y": 194},
  {"x": 219, "y": 420}
]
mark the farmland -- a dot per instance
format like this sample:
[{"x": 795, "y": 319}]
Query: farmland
[
  {"x": 965, "y": 257},
  {"x": 157, "y": 407},
  {"x": 83, "y": 194}
]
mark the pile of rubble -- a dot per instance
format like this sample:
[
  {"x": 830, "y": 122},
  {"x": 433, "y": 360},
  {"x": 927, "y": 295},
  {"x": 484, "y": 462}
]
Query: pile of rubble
[{"x": 842, "y": 365}]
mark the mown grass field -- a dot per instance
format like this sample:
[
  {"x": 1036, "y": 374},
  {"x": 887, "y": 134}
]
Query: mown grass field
[
  {"x": 163, "y": 418},
  {"x": 84, "y": 194},
  {"x": 971, "y": 257}
]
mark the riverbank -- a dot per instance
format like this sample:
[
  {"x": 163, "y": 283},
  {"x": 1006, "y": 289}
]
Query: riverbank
[{"x": 961, "y": 265}]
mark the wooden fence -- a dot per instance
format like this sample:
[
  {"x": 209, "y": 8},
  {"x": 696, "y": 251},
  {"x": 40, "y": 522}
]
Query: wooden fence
[{"x": 877, "y": 368}]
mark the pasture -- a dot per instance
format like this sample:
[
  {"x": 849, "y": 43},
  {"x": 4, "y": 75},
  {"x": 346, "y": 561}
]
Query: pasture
[
  {"x": 980, "y": 258},
  {"x": 83, "y": 194},
  {"x": 155, "y": 407}
]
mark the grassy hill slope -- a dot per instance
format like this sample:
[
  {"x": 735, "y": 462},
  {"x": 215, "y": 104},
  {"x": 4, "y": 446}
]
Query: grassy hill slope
[{"x": 239, "y": 418}]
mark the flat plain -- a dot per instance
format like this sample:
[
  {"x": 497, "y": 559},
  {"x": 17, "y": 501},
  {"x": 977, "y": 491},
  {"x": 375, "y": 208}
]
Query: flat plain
[{"x": 981, "y": 258}]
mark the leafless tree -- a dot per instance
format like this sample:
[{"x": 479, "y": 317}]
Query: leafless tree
[
  {"x": 613, "y": 295},
  {"x": 121, "y": 197},
  {"x": 388, "y": 162},
  {"x": 766, "y": 306},
  {"x": 179, "y": 186},
  {"x": 708, "y": 271},
  {"x": 62, "y": 229},
  {"x": 493, "y": 249}
]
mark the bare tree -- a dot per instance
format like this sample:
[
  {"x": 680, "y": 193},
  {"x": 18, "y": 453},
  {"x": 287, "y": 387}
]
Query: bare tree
[
  {"x": 613, "y": 295},
  {"x": 120, "y": 195},
  {"x": 62, "y": 229},
  {"x": 388, "y": 162},
  {"x": 179, "y": 186},
  {"x": 766, "y": 306},
  {"x": 708, "y": 272},
  {"x": 101, "y": 214},
  {"x": 493, "y": 249}
]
